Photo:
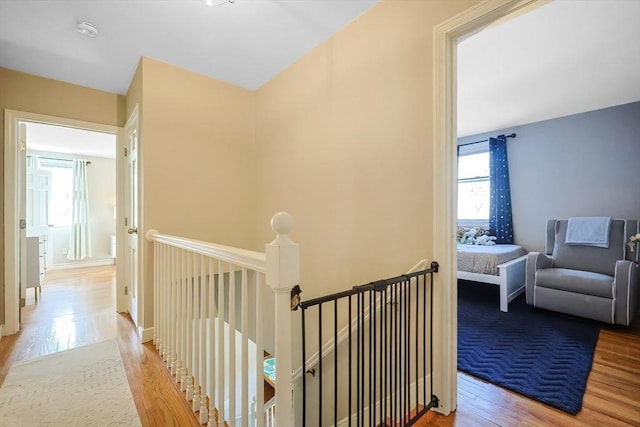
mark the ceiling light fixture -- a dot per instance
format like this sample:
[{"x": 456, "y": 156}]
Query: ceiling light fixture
[
  {"x": 87, "y": 29},
  {"x": 218, "y": 2}
]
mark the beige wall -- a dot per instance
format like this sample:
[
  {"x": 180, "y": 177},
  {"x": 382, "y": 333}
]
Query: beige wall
[
  {"x": 197, "y": 160},
  {"x": 25, "y": 92},
  {"x": 344, "y": 142},
  {"x": 197, "y": 153},
  {"x": 342, "y": 139}
]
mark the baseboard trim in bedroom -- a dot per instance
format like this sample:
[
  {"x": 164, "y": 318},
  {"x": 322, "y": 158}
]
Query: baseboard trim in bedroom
[{"x": 96, "y": 263}]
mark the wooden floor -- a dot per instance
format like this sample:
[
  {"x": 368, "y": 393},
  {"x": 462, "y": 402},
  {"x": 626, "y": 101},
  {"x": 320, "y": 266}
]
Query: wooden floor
[
  {"x": 612, "y": 397},
  {"x": 78, "y": 308}
]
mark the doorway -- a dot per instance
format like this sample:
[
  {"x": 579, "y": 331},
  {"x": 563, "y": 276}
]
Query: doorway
[
  {"x": 16, "y": 146},
  {"x": 51, "y": 151},
  {"x": 446, "y": 36}
]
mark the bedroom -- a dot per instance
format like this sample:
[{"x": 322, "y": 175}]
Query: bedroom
[
  {"x": 573, "y": 152},
  {"x": 570, "y": 164}
]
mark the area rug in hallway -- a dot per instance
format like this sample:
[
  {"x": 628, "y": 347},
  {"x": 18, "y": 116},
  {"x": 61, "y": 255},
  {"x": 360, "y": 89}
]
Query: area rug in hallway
[
  {"x": 541, "y": 354},
  {"x": 84, "y": 386}
]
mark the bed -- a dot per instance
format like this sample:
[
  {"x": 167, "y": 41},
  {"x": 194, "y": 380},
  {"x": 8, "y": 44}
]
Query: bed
[{"x": 502, "y": 265}]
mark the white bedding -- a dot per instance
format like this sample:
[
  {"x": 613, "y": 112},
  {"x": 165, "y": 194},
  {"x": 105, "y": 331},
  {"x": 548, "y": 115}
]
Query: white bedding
[{"x": 485, "y": 259}]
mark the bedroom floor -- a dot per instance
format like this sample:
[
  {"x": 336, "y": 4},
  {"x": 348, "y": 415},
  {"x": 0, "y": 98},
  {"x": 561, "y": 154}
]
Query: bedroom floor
[{"x": 611, "y": 397}]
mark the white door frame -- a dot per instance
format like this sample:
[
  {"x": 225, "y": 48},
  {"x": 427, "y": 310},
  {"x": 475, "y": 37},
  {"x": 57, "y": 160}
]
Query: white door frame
[
  {"x": 446, "y": 36},
  {"x": 11, "y": 217}
]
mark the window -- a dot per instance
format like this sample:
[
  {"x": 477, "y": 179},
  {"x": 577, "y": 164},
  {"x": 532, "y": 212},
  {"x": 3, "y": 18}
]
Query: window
[
  {"x": 473, "y": 185},
  {"x": 61, "y": 190}
]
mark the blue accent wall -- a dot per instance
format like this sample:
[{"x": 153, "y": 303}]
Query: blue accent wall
[{"x": 581, "y": 165}]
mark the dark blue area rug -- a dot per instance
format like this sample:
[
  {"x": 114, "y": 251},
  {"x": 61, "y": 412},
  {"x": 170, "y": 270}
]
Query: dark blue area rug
[{"x": 538, "y": 353}]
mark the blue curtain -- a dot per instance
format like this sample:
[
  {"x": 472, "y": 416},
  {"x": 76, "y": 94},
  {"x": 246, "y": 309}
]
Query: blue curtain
[{"x": 500, "y": 223}]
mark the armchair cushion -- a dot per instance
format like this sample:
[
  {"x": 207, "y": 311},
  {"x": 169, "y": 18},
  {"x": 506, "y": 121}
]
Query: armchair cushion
[{"x": 576, "y": 281}]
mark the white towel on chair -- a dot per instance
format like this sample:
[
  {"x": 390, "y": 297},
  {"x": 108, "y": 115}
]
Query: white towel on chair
[{"x": 588, "y": 231}]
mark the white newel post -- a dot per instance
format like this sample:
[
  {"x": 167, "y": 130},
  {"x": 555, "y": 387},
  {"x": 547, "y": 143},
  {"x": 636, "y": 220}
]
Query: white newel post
[{"x": 282, "y": 274}]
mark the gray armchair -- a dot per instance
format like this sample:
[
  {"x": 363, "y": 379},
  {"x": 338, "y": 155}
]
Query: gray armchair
[{"x": 586, "y": 281}]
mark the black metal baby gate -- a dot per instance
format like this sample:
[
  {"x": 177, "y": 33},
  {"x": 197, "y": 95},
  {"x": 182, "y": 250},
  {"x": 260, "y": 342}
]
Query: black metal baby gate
[{"x": 374, "y": 370}]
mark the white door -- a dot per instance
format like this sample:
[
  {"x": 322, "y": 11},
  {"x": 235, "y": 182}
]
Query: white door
[
  {"x": 131, "y": 216},
  {"x": 38, "y": 197}
]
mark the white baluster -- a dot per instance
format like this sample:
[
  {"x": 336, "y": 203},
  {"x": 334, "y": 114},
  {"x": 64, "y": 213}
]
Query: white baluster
[
  {"x": 182, "y": 338},
  {"x": 156, "y": 286},
  {"x": 211, "y": 346},
  {"x": 245, "y": 349},
  {"x": 163, "y": 297},
  {"x": 188, "y": 331},
  {"x": 232, "y": 347},
  {"x": 282, "y": 274},
  {"x": 177, "y": 339},
  {"x": 167, "y": 309},
  {"x": 259, "y": 352},
  {"x": 157, "y": 294},
  {"x": 195, "y": 333},
  {"x": 171, "y": 305},
  {"x": 204, "y": 314},
  {"x": 221, "y": 347}
]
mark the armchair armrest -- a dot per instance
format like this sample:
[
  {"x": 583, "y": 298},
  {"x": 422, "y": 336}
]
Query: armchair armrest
[
  {"x": 535, "y": 261},
  {"x": 625, "y": 291}
]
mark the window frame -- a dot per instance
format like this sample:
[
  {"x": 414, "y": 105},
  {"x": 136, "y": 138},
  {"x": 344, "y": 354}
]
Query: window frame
[
  {"x": 468, "y": 150},
  {"x": 53, "y": 164}
]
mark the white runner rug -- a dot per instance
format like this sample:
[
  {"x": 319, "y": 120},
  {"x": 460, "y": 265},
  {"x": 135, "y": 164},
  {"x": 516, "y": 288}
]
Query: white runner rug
[{"x": 84, "y": 386}]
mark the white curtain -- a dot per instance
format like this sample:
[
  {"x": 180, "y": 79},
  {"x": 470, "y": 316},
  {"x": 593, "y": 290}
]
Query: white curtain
[{"x": 80, "y": 233}]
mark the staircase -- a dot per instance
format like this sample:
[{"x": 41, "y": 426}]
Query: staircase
[
  {"x": 210, "y": 340},
  {"x": 220, "y": 311}
]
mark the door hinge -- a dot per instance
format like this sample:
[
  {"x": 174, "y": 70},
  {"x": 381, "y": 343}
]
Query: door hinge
[
  {"x": 23, "y": 302},
  {"x": 23, "y": 146},
  {"x": 126, "y": 221},
  {"x": 126, "y": 151},
  {"x": 22, "y": 224},
  {"x": 126, "y": 290}
]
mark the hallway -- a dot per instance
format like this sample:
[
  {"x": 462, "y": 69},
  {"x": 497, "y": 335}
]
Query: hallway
[{"x": 76, "y": 308}]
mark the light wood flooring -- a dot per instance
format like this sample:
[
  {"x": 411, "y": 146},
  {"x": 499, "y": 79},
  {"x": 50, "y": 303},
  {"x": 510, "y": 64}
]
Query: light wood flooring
[{"x": 78, "y": 308}]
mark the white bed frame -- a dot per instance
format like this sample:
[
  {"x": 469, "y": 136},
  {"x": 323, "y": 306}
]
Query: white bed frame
[{"x": 510, "y": 278}]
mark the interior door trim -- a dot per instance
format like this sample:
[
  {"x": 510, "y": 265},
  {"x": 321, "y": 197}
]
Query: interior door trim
[{"x": 11, "y": 188}]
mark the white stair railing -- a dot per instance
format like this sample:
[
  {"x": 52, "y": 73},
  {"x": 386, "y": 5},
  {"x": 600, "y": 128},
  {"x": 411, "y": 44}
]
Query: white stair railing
[{"x": 211, "y": 313}]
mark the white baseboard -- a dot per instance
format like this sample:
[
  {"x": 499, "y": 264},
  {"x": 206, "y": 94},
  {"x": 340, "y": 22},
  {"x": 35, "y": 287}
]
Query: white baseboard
[
  {"x": 145, "y": 335},
  {"x": 82, "y": 264}
]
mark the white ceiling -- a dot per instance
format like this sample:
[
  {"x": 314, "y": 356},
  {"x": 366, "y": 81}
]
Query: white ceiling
[
  {"x": 561, "y": 58},
  {"x": 66, "y": 140},
  {"x": 245, "y": 43}
]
